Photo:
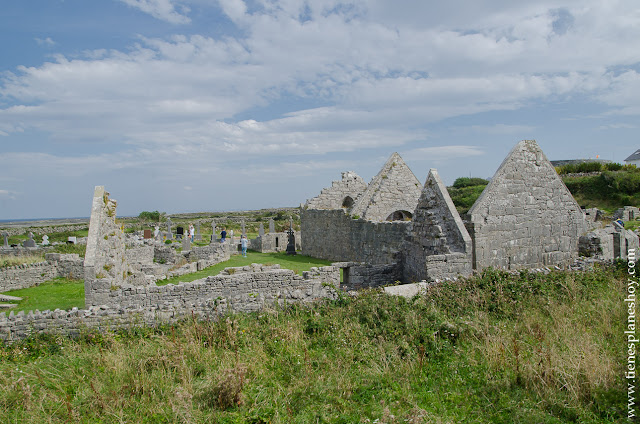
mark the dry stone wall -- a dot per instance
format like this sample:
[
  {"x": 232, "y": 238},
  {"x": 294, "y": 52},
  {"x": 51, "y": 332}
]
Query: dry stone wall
[
  {"x": 395, "y": 188},
  {"x": 243, "y": 290},
  {"x": 334, "y": 235},
  {"x": 29, "y": 275},
  {"x": 526, "y": 217}
]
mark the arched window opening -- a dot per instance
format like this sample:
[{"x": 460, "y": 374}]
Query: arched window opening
[
  {"x": 400, "y": 216},
  {"x": 347, "y": 202}
]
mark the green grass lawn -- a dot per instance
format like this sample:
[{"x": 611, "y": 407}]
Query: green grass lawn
[
  {"x": 60, "y": 293},
  {"x": 297, "y": 263}
]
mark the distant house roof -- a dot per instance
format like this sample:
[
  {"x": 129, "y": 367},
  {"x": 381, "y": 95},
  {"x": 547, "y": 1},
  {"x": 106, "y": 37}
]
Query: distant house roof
[{"x": 634, "y": 156}]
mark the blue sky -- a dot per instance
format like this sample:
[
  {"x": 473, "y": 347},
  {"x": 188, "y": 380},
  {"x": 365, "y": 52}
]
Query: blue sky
[{"x": 196, "y": 105}]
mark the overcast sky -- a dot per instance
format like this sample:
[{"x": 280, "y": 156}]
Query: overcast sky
[{"x": 203, "y": 105}]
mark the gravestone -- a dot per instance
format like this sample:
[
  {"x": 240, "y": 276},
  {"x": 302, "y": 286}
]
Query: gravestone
[
  {"x": 291, "y": 242},
  {"x": 179, "y": 233},
  {"x": 214, "y": 236},
  {"x": 198, "y": 235},
  {"x": 156, "y": 232},
  {"x": 169, "y": 233},
  {"x": 30, "y": 242},
  {"x": 272, "y": 226},
  {"x": 261, "y": 230},
  {"x": 186, "y": 244},
  {"x": 147, "y": 234},
  {"x": 244, "y": 233},
  {"x": 45, "y": 240},
  {"x": 71, "y": 240},
  {"x": 6, "y": 239}
]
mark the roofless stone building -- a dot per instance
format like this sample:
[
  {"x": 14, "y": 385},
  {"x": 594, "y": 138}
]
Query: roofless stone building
[{"x": 525, "y": 218}]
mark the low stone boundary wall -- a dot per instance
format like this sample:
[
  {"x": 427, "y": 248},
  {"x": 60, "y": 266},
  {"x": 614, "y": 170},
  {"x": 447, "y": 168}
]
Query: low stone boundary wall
[
  {"x": 29, "y": 275},
  {"x": 39, "y": 231},
  {"x": 244, "y": 289}
]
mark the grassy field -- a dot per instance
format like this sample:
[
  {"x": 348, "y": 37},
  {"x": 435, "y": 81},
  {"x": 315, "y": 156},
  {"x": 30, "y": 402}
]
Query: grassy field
[{"x": 497, "y": 348}]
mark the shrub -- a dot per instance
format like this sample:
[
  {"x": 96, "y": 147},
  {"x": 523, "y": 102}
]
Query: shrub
[{"x": 469, "y": 182}]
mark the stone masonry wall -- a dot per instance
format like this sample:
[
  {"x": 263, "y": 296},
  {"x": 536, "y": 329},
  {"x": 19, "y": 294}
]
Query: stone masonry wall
[
  {"x": 439, "y": 245},
  {"x": 274, "y": 242},
  {"x": 245, "y": 290},
  {"x": 29, "y": 275},
  {"x": 334, "y": 235},
  {"x": 395, "y": 188},
  {"x": 105, "y": 261},
  {"x": 526, "y": 217},
  {"x": 351, "y": 185}
]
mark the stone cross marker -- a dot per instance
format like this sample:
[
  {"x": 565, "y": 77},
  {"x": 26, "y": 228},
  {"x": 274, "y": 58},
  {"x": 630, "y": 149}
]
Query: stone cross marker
[
  {"x": 198, "y": 235},
  {"x": 156, "y": 232},
  {"x": 291, "y": 223},
  {"x": 45, "y": 240},
  {"x": 169, "y": 234},
  {"x": 272, "y": 226},
  {"x": 6, "y": 239},
  {"x": 244, "y": 233},
  {"x": 30, "y": 242},
  {"x": 214, "y": 230},
  {"x": 261, "y": 230}
]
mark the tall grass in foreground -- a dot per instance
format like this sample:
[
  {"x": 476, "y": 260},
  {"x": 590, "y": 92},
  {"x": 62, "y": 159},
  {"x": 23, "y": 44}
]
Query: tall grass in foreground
[{"x": 496, "y": 348}]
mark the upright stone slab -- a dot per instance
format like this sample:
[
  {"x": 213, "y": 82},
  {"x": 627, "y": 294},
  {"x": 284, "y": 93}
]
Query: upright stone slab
[
  {"x": 29, "y": 242},
  {"x": 198, "y": 234},
  {"x": 244, "y": 232},
  {"x": 525, "y": 217},
  {"x": 186, "y": 243},
  {"x": 105, "y": 265},
  {"x": 392, "y": 195},
  {"x": 214, "y": 232},
  {"x": 341, "y": 194},
  {"x": 261, "y": 230},
  {"x": 272, "y": 226},
  {"x": 439, "y": 245},
  {"x": 169, "y": 233},
  {"x": 5, "y": 236}
]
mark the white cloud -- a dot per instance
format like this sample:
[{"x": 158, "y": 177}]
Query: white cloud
[
  {"x": 164, "y": 10},
  {"x": 381, "y": 73},
  {"x": 439, "y": 153},
  {"x": 45, "y": 42}
]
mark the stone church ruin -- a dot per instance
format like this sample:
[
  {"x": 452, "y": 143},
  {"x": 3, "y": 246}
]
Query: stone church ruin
[{"x": 525, "y": 218}]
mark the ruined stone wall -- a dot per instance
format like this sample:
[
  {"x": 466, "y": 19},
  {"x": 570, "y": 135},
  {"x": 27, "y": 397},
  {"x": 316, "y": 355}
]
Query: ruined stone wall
[
  {"x": 26, "y": 275},
  {"x": 348, "y": 188},
  {"x": 395, "y": 188},
  {"x": 245, "y": 290},
  {"x": 358, "y": 276},
  {"x": 334, "y": 235},
  {"x": 105, "y": 263},
  {"x": 140, "y": 254},
  {"x": 29, "y": 275},
  {"x": 608, "y": 243},
  {"x": 526, "y": 217},
  {"x": 439, "y": 245}
]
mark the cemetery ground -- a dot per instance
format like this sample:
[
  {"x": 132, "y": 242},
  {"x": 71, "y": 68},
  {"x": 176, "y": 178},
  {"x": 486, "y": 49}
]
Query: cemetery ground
[
  {"x": 495, "y": 348},
  {"x": 63, "y": 293}
]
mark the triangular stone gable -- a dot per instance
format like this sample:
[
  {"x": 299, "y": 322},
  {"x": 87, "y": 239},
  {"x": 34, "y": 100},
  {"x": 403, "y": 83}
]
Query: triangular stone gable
[
  {"x": 395, "y": 188},
  {"x": 439, "y": 245},
  {"x": 525, "y": 217},
  {"x": 341, "y": 194}
]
